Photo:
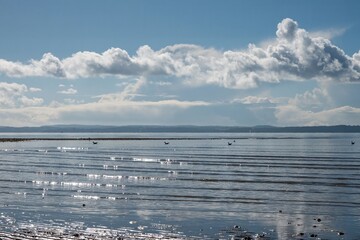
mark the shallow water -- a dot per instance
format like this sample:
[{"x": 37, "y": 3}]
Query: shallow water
[{"x": 278, "y": 186}]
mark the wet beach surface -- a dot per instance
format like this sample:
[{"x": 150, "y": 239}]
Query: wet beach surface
[{"x": 262, "y": 186}]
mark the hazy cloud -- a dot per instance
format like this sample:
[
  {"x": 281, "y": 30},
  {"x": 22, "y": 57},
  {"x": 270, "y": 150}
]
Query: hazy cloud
[
  {"x": 126, "y": 94},
  {"x": 291, "y": 115},
  {"x": 115, "y": 112},
  {"x": 328, "y": 33},
  {"x": 253, "y": 100},
  {"x": 315, "y": 107}
]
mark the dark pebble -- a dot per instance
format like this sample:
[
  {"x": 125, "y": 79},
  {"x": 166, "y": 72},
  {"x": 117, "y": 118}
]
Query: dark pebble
[
  {"x": 319, "y": 220},
  {"x": 280, "y": 211},
  {"x": 83, "y": 205},
  {"x": 236, "y": 226},
  {"x": 314, "y": 226},
  {"x": 76, "y": 235},
  {"x": 313, "y": 235},
  {"x": 340, "y": 233}
]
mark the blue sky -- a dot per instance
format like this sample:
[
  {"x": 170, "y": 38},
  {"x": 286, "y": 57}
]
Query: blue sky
[{"x": 283, "y": 63}]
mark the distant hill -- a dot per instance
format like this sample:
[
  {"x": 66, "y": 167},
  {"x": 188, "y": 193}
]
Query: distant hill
[{"x": 181, "y": 128}]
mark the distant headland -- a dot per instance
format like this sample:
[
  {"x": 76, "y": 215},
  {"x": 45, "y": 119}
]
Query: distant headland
[{"x": 179, "y": 129}]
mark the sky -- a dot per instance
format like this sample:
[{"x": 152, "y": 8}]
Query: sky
[{"x": 159, "y": 62}]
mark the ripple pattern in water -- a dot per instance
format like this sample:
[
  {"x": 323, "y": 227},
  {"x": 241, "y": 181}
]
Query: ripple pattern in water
[{"x": 278, "y": 187}]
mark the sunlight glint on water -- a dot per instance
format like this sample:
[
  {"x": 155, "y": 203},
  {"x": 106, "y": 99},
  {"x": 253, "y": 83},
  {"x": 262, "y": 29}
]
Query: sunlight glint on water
[{"x": 273, "y": 185}]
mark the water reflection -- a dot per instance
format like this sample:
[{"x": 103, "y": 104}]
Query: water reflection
[{"x": 277, "y": 188}]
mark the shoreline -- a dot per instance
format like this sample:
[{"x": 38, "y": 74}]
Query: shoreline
[
  {"x": 27, "y": 139},
  {"x": 110, "y": 139}
]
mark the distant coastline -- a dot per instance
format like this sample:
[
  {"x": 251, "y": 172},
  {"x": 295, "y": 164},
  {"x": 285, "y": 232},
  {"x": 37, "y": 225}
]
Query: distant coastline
[{"x": 179, "y": 129}]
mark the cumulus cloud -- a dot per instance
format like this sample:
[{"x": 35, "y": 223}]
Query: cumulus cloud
[
  {"x": 48, "y": 65},
  {"x": 14, "y": 95},
  {"x": 295, "y": 54},
  {"x": 315, "y": 99}
]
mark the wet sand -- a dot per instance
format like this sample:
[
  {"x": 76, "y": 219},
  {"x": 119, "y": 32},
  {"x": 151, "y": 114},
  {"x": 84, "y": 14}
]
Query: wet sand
[
  {"x": 235, "y": 232},
  {"x": 56, "y": 236}
]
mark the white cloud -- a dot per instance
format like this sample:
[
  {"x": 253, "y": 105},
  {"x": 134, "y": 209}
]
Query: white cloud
[
  {"x": 295, "y": 55},
  {"x": 69, "y": 91},
  {"x": 127, "y": 93},
  {"x": 315, "y": 99},
  {"x": 32, "y": 89},
  {"x": 25, "y": 101},
  {"x": 253, "y": 100},
  {"x": 48, "y": 65},
  {"x": 14, "y": 95},
  {"x": 161, "y": 83}
]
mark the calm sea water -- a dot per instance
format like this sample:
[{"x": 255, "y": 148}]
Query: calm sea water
[{"x": 274, "y": 186}]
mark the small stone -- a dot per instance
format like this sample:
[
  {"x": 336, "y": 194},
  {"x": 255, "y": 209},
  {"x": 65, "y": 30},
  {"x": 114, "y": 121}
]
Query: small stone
[
  {"x": 280, "y": 211},
  {"x": 340, "y": 233},
  {"x": 83, "y": 205},
  {"x": 319, "y": 220}
]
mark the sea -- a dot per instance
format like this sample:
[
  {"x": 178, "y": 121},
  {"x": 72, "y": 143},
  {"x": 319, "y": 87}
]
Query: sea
[{"x": 194, "y": 186}]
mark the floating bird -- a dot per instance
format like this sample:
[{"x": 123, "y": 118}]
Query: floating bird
[
  {"x": 229, "y": 143},
  {"x": 43, "y": 193},
  {"x": 95, "y": 142},
  {"x": 352, "y": 142},
  {"x": 166, "y": 142}
]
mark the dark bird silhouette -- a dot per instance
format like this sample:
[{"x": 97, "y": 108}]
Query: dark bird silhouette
[
  {"x": 166, "y": 142},
  {"x": 229, "y": 143},
  {"x": 95, "y": 142},
  {"x": 352, "y": 142}
]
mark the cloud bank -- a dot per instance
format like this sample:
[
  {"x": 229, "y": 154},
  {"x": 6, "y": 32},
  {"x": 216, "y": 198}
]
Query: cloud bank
[
  {"x": 156, "y": 87},
  {"x": 295, "y": 54}
]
